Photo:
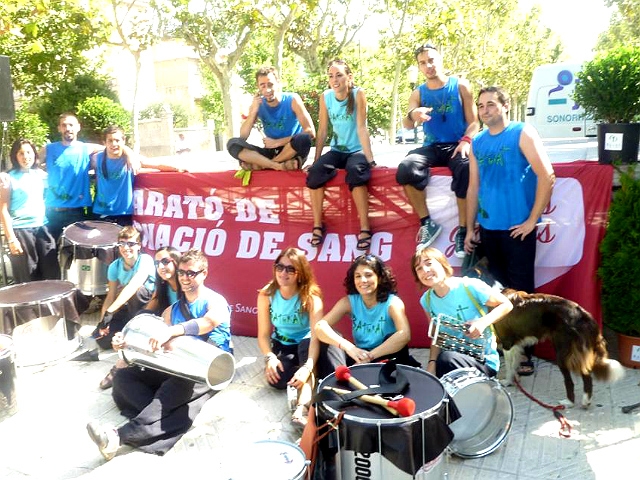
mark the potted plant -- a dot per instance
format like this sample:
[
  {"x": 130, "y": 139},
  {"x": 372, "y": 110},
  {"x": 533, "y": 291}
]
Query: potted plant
[
  {"x": 608, "y": 89},
  {"x": 620, "y": 269}
]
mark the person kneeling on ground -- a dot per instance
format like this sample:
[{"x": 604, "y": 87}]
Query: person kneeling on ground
[{"x": 162, "y": 407}]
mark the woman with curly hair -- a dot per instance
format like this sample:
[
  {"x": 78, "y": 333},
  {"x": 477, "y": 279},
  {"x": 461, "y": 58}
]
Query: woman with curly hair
[
  {"x": 288, "y": 308},
  {"x": 379, "y": 324}
]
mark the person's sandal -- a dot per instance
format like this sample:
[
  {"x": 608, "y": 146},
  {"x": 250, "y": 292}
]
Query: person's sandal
[
  {"x": 526, "y": 368},
  {"x": 317, "y": 238},
  {"x": 300, "y": 416},
  {"x": 364, "y": 243},
  {"x": 107, "y": 381}
]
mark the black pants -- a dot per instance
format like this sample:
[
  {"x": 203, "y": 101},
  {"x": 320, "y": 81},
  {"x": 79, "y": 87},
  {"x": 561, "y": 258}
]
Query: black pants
[
  {"x": 39, "y": 260},
  {"x": 160, "y": 407},
  {"x": 449, "y": 360}
]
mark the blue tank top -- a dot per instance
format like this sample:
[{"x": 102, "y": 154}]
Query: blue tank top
[
  {"x": 291, "y": 325},
  {"x": 507, "y": 189},
  {"x": 370, "y": 326},
  {"x": 345, "y": 128},
  {"x": 447, "y": 124},
  {"x": 279, "y": 121},
  {"x": 27, "y": 198},
  {"x": 114, "y": 187},
  {"x": 208, "y": 300},
  {"x": 68, "y": 170}
]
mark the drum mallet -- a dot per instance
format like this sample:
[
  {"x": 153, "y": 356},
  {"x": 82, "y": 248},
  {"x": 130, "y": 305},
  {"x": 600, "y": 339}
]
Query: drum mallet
[
  {"x": 405, "y": 407},
  {"x": 343, "y": 374}
]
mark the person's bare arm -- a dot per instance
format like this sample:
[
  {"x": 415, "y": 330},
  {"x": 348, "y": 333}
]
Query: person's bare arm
[{"x": 361, "y": 121}]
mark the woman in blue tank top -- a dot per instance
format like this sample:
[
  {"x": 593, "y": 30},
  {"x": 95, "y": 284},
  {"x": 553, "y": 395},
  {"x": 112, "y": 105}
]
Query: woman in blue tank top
[
  {"x": 344, "y": 106},
  {"x": 168, "y": 288},
  {"x": 379, "y": 324},
  {"x": 288, "y": 308},
  {"x": 32, "y": 249}
]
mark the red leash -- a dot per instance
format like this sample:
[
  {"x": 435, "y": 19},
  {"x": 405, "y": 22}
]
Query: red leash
[{"x": 565, "y": 427}]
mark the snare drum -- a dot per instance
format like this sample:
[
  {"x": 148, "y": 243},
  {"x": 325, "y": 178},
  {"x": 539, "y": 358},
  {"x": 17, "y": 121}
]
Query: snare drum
[
  {"x": 486, "y": 408},
  {"x": 8, "y": 402},
  {"x": 272, "y": 459},
  {"x": 85, "y": 251},
  {"x": 43, "y": 319},
  {"x": 372, "y": 444}
]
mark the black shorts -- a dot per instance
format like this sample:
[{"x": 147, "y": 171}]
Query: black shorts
[
  {"x": 326, "y": 167},
  {"x": 414, "y": 168}
]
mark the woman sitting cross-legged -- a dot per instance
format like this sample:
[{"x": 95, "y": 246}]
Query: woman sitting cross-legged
[{"x": 379, "y": 324}]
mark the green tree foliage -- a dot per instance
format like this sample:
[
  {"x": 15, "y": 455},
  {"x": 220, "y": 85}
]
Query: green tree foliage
[
  {"x": 26, "y": 125},
  {"x": 67, "y": 96},
  {"x": 47, "y": 42},
  {"x": 97, "y": 113},
  {"x": 180, "y": 113},
  {"x": 624, "y": 28}
]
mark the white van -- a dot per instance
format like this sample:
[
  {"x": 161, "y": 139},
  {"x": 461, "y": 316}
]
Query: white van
[{"x": 550, "y": 107}]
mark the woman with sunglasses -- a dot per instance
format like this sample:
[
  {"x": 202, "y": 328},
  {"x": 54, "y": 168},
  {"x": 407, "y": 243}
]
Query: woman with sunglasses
[
  {"x": 167, "y": 286},
  {"x": 288, "y": 308},
  {"x": 379, "y": 324},
  {"x": 131, "y": 284}
]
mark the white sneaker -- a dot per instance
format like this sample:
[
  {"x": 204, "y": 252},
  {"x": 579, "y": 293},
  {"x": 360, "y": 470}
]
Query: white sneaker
[{"x": 105, "y": 437}]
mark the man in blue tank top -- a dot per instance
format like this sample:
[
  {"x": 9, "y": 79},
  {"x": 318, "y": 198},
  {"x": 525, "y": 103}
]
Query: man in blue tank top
[
  {"x": 510, "y": 183},
  {"x": 444, "y": 107},
  {"x": 287, "y": 128}
]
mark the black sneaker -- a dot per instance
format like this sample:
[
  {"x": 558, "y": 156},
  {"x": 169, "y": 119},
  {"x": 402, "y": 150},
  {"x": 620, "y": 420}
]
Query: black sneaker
[
  {"x": 459, "y": 242},
  {"x": 427, "y": 234}
]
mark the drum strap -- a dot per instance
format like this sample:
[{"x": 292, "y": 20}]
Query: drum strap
[
  {"x": 184, "y": 308},
  {"x": 103, "y": 166}
]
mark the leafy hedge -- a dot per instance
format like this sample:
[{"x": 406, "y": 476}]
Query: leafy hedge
[{"x": 620, "y": 259}]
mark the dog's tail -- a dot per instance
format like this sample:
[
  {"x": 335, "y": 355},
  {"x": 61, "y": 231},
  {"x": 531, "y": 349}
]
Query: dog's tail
[{"x": 605, "y": 369}]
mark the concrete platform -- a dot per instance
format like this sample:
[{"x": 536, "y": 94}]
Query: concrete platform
[{"x": 47, "y": 439}]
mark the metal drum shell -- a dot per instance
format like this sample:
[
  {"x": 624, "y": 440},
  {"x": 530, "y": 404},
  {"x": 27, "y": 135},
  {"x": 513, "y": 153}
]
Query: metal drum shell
[
  {"x": 188, "y": 357},
  {"x": 487, "y": 412}
]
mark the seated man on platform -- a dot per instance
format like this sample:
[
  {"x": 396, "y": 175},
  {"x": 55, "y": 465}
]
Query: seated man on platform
[
  {"x": 131, "y": 284},
  {"x": 288, "y": 128},
  {"x": 162, "y": 407}
]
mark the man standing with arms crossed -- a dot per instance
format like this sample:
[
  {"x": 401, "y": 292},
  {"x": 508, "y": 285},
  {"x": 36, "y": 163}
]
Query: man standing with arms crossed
[
  {"x": 287, "y": 126},
  {"x": 444, "y": 107},
  {"x": 510, "y": 183}
]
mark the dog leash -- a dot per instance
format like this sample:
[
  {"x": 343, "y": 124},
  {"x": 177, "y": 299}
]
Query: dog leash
[{"x": 565, "y": 426}]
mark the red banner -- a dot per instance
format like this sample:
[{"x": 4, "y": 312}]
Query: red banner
[{"x": 242, "y": 230}]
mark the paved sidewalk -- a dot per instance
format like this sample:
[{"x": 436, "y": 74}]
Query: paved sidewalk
[{"x": 47, "y": 440}]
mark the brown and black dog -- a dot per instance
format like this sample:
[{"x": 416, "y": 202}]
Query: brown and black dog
[{"x": 575, "y": 335}]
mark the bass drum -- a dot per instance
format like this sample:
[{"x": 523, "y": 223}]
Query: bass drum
[{"x": 487, "y": 412}]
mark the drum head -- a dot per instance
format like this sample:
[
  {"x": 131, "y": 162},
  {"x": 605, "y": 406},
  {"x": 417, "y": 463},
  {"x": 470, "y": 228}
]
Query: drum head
[
  {"x": 32, "y": 293},
  {"x": 92, "y": 233},
  {"x": 487, "y": 412},
  {"x": 273, "y": 459}
]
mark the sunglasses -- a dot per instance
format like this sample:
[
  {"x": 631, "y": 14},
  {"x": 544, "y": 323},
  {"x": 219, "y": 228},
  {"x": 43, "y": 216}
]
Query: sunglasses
[
  {"x": 189, "y": 273},
  {"x": 423, "y": 47},
  {"x": 128, "y": 244},
  {"x": 290, "y": 269},
  {"x": 164, "y": 261}
]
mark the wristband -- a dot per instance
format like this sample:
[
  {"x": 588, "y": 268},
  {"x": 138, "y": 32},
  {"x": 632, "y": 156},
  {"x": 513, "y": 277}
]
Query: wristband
[
  {"x": 409, "y": 113},
  {"x": 191, "y": 327},
  {"x": 269, "y": 356},
  {"x": 431, "y": 361},
  {"x": 466, "y": 138}
]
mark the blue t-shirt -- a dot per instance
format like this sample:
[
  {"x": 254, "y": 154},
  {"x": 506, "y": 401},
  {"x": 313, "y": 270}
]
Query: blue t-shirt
[
  {"x": 68, "y": 169},
  {"x": 370, "y": 326},
  {"x": 279, "y": 121},
  {"x": 114, "y": 186},
  {"x": 117, "y": 272},
  {"x": 458, "y": 304},
  {"x": 27, "y": 198},
  {"x": 291, "y": 325},
  {"x": 208, "y": 300},
  {"x": 507, "y": 186},
  {"x": 345, "y": 127},
  {"x": 447, "y": 123}
]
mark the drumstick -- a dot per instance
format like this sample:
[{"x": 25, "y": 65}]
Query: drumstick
[
  {"x": 343, "y": 374},
  {"x": 405, "y": 407}
]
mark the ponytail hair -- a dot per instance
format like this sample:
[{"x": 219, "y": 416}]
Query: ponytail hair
[{"x": 351, "y": 102}]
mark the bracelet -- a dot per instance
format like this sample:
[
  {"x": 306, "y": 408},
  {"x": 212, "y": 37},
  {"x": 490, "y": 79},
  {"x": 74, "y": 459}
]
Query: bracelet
[
  {"x": 269, "y": 356},
  {"x": 430, "y": 361},
  {"x": 466, "y": 138},
  {"x": 191, "y": 327},
  {"x": 409, "y": 114}
]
